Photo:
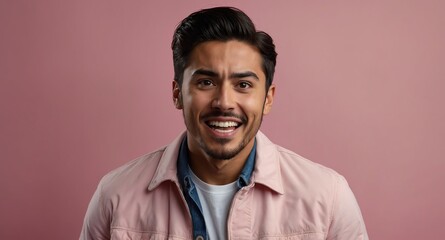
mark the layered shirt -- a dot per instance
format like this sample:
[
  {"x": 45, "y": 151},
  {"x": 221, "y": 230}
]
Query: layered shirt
[{"x": 286, "y": 197}]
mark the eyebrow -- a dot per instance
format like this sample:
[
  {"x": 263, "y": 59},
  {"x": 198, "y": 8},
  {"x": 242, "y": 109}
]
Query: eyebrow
[
  {"x": 211, "y": 73},
  {"x": 244, "y": 75},
  {"x": 204, "y": 72}
]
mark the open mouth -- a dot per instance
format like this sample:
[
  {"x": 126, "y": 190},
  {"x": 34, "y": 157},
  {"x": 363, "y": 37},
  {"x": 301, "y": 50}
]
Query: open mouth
[{"x": 223, "y": 126}]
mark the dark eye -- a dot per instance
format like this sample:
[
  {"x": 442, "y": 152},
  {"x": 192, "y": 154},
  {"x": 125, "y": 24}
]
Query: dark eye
[
  {"x": 244, "y": 85},
  {"x": 205, "y": 83}
]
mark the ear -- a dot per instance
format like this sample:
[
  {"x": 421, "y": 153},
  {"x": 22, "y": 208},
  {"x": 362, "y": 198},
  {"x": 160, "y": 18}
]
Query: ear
[
  {"x": 177, "y": 98},
  {"x": 269, "y": 99}
]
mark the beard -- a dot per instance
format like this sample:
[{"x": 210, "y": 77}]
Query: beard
[{"x": 222, "y": 152}]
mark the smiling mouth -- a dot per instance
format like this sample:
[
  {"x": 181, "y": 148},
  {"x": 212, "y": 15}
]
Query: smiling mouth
[{"x": 223, "y": 126}]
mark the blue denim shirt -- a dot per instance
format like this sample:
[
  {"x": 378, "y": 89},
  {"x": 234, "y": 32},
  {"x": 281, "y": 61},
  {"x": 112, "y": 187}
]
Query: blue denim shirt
[{"x": 189, "y": 189}]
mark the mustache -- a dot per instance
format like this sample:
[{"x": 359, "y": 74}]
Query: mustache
[{"x": 217, "y": 113}]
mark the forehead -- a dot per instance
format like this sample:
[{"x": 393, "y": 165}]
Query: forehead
[{"x": 226, "y": 57}]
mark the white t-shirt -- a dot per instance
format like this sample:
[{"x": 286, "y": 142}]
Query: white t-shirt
[{"x": 215, "y": 202}]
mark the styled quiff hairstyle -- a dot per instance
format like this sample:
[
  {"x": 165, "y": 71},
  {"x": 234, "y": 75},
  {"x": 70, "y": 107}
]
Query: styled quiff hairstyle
[{"x": 220, "y": 24}]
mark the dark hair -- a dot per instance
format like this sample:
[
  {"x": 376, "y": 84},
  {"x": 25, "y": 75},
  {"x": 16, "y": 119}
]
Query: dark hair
[{"x": 220, "y": 24}]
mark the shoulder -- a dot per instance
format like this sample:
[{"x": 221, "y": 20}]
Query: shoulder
[
  {"x": 137, "y": 172},
  {"x": 136, "y": 176},
  {"x": 292, "y": 161},
  {"x": 288, "y": 172},
  {"x": 304, "y": 174},
  {"x": 290, "y": 164}
]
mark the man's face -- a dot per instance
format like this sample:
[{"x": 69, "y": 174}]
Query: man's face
[{"x": 223, "y": 98}]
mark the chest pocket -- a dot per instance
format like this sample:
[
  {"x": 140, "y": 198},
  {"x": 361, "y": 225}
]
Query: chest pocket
[
  {"x": 300, "y": 236},
  {"x": 125, "y": 234}
]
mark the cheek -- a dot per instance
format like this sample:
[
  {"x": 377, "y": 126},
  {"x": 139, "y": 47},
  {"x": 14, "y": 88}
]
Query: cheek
[
  {"x": 253, "y": 105},
  {"x": 201, "y": 100},
  {"x": 196, "y": 103}
]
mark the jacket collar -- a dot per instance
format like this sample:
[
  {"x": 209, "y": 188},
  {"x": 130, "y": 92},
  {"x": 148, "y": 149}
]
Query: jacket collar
[
  {"x": 266, "y": 172},
  {"x": 167, "y": 169}
]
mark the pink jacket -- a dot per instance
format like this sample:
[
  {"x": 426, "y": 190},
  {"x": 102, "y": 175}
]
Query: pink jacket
[{"x": 289, "y": 197}]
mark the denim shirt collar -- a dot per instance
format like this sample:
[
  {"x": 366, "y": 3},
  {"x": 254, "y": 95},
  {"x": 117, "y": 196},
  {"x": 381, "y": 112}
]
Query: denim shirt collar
[
  {"x": 184, "y": 170},
  {"x": 191, "y": 194}
]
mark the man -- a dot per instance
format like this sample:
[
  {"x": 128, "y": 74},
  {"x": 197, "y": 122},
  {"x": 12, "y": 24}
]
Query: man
[{"x": 222, "y": 178}]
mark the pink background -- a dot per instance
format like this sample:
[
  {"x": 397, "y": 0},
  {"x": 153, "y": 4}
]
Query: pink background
[{"x": 85, "y": 87}]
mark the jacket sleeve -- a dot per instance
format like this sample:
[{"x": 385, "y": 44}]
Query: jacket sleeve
[
  {"x": 96, "y": 225},
  {"x": 347, "y": 221}
]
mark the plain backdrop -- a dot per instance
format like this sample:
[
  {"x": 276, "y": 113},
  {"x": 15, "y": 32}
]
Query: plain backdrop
[{"x": 85, "y": 86}]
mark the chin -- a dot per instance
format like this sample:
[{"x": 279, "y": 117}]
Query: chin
[{"x": 222, "y": 152}]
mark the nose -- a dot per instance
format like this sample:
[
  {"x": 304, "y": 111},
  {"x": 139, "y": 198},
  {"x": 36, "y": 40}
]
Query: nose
[{"x": 223, "y": 98}]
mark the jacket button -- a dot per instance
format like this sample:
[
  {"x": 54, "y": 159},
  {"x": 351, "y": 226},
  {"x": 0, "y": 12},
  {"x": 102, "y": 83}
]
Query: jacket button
[
  {"x": 187, "y": 183},
  {"x": 199, "y": 237}
]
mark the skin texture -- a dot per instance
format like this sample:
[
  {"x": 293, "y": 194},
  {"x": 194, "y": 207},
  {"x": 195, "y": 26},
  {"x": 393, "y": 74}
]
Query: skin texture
[{"x": 223, "y": 82}]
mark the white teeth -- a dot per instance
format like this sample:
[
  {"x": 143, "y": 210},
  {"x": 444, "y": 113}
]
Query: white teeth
[
  {"x": 223, "y": 124},
  {"x": 224, "y": 131}
]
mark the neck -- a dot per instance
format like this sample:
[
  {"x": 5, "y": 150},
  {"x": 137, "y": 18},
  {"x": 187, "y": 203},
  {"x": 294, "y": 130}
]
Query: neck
[{"x": 218, "y": 171}]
